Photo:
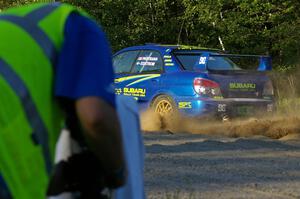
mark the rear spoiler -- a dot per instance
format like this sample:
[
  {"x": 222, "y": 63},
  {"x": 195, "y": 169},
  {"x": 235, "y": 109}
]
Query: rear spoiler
[{"x": 265, "y": 62}]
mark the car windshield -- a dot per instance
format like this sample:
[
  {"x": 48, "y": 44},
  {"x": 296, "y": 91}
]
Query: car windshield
[{"x": 188, "y": 61}]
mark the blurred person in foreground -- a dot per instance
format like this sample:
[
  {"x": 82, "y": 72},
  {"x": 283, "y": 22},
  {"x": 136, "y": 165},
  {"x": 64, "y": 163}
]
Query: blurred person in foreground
[{"x": 55, "y": 70}]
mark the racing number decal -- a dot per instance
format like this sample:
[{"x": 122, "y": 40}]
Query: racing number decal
[{"x": 202, "y": 60}]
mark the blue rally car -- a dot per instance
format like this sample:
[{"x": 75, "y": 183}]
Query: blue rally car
[{"x": 193, "y": 81}]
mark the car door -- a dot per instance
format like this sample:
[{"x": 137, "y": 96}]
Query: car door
[
  {"x": 122, "y": 64},
  {"x": 143, "y": 79}
]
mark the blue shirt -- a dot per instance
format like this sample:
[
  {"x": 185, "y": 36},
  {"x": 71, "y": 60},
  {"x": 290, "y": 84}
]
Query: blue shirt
[{"x": 84, "y": 66}]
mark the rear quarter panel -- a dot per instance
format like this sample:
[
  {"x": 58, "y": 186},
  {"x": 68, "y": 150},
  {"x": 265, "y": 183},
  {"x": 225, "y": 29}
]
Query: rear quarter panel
[{"x": 178, "y": 85}]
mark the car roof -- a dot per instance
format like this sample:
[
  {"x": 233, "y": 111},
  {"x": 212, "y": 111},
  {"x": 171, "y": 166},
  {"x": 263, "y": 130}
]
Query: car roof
[{"x": 168, "y": 47}]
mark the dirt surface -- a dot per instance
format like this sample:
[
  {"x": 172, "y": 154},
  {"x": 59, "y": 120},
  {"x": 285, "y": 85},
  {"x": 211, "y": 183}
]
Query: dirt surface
[{"x": 221, "y": 166}]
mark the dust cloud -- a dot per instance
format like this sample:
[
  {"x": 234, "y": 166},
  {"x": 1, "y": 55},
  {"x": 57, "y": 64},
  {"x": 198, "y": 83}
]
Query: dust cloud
[
  {"x": 284, "y": 123},
  {"x": 274, "y": 127}
]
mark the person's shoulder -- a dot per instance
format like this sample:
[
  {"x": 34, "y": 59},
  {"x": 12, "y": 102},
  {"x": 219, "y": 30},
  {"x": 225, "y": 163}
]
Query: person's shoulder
[{"x": 83, "y": 23}]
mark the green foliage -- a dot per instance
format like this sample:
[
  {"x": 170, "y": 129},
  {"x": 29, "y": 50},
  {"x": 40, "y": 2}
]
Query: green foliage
[
  {"x": 241, "y": 26},
  {"x": 9, "y": 3}
]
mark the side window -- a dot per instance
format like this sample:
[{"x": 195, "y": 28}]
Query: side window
[
  {"x": 147, "y": 62},
  {"x": 122, "y": 63},
  {"x": 188, "y": 61}
]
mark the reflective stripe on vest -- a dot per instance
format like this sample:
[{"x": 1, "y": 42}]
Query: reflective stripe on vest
[
  {"x": 40, "y": 134},
  {"x": 29, "y": 24}
]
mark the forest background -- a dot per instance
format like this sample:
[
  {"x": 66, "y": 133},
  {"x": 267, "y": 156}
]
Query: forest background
[{"x": 269, "y": 27}]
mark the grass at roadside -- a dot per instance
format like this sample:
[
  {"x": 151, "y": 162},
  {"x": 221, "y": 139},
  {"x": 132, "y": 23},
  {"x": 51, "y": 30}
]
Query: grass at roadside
[
  {"x": 286, "y": 82},
  {"x": 288, "y": 106}
]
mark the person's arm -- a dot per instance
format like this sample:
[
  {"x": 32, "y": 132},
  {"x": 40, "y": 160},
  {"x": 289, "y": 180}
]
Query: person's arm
[
  {"x": 84, "y": 75},
  {"x": 102, "y": 132}
]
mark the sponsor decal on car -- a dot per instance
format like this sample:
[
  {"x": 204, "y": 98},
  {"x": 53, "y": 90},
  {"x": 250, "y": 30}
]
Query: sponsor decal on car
[
  {"x": 118, "y": 91},
  {"x": 169, "y": 64},
  {"x": 146, "y": 61},
  {"x": 129, "y": 78},
  {"x": 183, "y": 105},
  {"x": 140, "y": 78},
  {"x": 137, "y": 92},
  {"x": 242, "y": 86},
  {"x": 168, "y": 60}
]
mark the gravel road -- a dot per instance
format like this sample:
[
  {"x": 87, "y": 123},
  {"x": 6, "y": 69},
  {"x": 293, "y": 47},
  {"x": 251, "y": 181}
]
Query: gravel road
[{"x": 202, "y": 166}]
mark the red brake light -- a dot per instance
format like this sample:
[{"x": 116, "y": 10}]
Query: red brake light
[{"x": 207, "y": 88}]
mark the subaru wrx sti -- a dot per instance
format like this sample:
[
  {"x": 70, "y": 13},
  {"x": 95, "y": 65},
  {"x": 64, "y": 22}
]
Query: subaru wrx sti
[{"x": 194, "y": 81}]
